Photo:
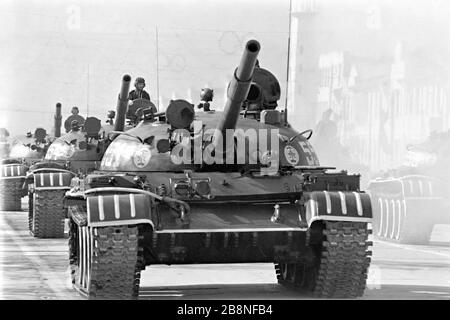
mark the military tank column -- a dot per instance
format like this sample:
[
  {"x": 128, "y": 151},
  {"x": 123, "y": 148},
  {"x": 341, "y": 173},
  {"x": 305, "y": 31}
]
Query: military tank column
[
  {"x": 76, "y": 153},
  {"x": 151, "y": 203}
]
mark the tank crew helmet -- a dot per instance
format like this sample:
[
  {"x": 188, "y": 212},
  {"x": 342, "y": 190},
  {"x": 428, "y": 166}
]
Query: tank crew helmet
[
  {"x": 207, "y": 94},
  {"x": 111, "y": 114},
  {"x": 139, "y": 80},
  {"x": 75, "y": 110},
  {"x": 74, "y": 125}
]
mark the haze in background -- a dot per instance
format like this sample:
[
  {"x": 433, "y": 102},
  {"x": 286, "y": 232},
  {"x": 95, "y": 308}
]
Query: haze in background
[{"x": 76, "y": 52}]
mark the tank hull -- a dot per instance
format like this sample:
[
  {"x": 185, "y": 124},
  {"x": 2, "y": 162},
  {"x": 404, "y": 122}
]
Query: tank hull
[{"x": 406, "y": 209}]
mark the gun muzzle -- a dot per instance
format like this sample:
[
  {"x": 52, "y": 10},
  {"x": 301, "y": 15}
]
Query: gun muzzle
[
  {"x": 237, "y": 91},
  {"x": 122, "y": 103}
]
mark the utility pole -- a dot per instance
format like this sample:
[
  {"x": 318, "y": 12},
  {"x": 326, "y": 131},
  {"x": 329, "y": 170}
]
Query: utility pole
[
  {"x": 87, "y": 92},
  {"x": 157, "y": 68}
]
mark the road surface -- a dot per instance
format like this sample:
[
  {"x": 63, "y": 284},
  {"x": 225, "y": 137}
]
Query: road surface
[{"x": 33, "y": 268}]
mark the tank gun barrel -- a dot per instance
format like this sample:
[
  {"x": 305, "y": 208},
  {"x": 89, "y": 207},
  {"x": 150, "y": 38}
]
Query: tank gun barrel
[
  {"x": 238, "y": 90},
  {"x": 122, "y": 103},
  {"x": 58, "y": 122}
]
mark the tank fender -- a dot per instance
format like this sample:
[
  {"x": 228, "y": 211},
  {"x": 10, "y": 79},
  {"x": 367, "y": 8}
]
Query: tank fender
[
  {"x": 13, "y": 171},
  {"x": 337, "y": 206},
  {"x": 118, "y": 209},
  {"x": 52, "y": 180}
]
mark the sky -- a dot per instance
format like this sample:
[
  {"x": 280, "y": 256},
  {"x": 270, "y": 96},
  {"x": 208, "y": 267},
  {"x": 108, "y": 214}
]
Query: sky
[{"x": 76, "y": 52}]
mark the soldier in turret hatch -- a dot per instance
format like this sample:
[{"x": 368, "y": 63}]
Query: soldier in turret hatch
[
  {"x": 72, "y": 117},
  {"x": 139, "y": 92},
  {"x": 75, "y": 126}
]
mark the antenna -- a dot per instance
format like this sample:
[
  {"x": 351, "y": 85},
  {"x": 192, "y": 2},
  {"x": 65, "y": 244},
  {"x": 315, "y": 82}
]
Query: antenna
[
  {"x": 157, "y": 66},
  {"x": 87, "y": 92},
  {"x": 287, "y": 65}
]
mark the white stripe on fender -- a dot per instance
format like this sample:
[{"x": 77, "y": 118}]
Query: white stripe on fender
[
  {"x": 132, "y": 206},
  {"x": 328, "y": 201},
  {"x": 51, "y": 179},
  {"x": 420, "y": 187},
  {"x": 11, "y": 170},
  {"x": 5, "y": 171},
  {"x": 116, "y": 206},
  {"x": 386, "y": 202},
  {"x": 18, "y": 170},
  {"x": 380, "y": 227},
  {"x": 358, "y": 203},
  {"x": 411, "y": 189},
  {"x": 399, "y": 207},
  {"x": 393, "y": 218},
  {"x": 80, "y": 244},
  {"x": 101, "y": 210},
  {"x": 313, "y": 207},
  {"x": 430, "y": 187},
  {"x": 60, "y": 179},
  {"x": 343, "y": 204},
  {"x": 42, "y": 179}
]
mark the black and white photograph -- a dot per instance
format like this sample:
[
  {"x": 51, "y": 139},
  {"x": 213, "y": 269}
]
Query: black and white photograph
[{"x": 242, "y": 151}]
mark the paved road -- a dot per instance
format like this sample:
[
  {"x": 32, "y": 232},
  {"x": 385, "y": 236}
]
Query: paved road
[{"x": 37, "y": 269}]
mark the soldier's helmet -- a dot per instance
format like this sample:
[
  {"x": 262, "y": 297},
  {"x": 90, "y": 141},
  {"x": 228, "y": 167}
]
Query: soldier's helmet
[
  {"x": 207, "y": 94},
  {"x": 139, "y": 80}
]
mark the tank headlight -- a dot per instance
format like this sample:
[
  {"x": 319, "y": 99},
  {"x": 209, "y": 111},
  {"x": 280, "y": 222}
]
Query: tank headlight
[
  {"x": 202, "y": 187},
  {"x": 182, "y": 188}
]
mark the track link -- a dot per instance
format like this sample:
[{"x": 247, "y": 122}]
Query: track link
[
  {"x": 106, "y": 262},
  {"x": 11, "y": 194},
  {"x": 335, "y": 268},
  {"x": 48, "y": 214},
  {"x": 344, "y": 260}
]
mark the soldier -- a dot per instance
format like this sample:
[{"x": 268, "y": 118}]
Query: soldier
[
  {"x": 74, "y": 116},
  {"x": 139, "y": 92}
]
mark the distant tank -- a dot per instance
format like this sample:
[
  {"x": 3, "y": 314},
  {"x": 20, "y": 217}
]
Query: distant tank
[
  {"x": 410, "y": 200},
  {"x": 155, "y": 200},
  {"x": 78, "y": 152},
  {"x": 4, "y": 143},
  {"x": 23, "y": 151}
]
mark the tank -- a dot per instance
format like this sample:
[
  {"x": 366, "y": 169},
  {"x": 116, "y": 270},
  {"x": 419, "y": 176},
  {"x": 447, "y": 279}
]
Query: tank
[
  {"x": 186, "y": 187},
  {"x": 23, "y": 151},
  {"x": 76, "y": 153},
  {"x": 408, "y": 201},
  {"x": 4, "y": 143}
]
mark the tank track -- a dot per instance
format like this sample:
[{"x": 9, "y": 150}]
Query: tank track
[
  {"x": 339, "y": 264},
  {"x": 11, "y": 194},
  {"x": 111, "y": 267},
  {"x": 30, "y": 211},
  {"x": 48, "y": 214}
]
